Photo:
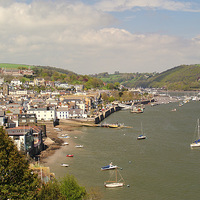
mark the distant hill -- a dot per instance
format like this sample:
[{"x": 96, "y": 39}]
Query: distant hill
[
  {"x": 16, "y": 66},
  {"x": 184, "y": 77},
  {"x": 126, "y": 79},
  {"x": 54, "y": 74}
]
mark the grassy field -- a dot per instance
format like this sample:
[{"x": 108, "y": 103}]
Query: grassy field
[{"x": 12, "y": 66}]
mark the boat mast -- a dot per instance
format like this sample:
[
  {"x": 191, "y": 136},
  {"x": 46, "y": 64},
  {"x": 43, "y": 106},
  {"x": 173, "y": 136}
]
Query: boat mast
[
  {"x": 141, "y": 129},
  {"x": 198, "y": 128},
  {"x": 116, "y": 174}
]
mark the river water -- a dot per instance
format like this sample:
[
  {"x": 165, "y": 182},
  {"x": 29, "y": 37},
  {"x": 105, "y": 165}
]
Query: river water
[{"x": 162, "y": 167}]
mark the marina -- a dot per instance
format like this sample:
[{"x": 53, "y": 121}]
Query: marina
[{"x": 160, "y": 167}]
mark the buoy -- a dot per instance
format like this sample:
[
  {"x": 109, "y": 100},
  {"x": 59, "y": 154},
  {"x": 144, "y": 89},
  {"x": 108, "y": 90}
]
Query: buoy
[
  {"x": 121, "y": 168},
  {"x": 128, "y": 185},
  {"x": 129, "y": 161}
]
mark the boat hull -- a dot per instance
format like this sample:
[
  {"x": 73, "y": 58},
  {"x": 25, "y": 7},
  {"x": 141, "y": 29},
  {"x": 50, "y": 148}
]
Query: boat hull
[
  {"x": 70, "y": 155},
  {"x": 109, "y": 167},
  {"x": 64, "y": 165},
  {"x": 195, "y": 145},
  {"x": 113, "y": 185},
  {"x": 141, "y": 138}
]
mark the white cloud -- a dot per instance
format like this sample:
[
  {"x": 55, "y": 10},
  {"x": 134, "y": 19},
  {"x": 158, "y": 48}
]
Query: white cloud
[
  {"x": 77, "y": 37},
  {"x": 122, "y": 5}
]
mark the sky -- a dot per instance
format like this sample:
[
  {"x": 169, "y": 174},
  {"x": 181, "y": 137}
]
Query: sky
[{"x": 94, "y": 36}]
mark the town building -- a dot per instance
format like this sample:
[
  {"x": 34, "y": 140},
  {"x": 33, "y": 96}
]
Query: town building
[
  {"x": 27, "y": 119},
  {"x": 23, "y": 138},
  {"x": 46, "y": 114}
]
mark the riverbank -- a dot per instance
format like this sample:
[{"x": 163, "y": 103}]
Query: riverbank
[{"x": 53, "y": 141}]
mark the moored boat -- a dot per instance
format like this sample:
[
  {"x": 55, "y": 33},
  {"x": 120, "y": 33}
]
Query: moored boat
[
  {"x": 196, "y": 143},
  {"x": 79, "y": 146},
  {"x": 110, "y": 166},
  {"x": 69, "y": 155},
  {"x": 118, "y": 182},
  {"x": 65, "y": 143},
  {"x": 64, "y": 165},
  {"x": 141, "y": 137},
  {"x": 137, "y": 110}
]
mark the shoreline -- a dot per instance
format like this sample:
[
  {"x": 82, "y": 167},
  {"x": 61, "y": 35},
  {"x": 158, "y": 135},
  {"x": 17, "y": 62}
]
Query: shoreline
[{"x": 53, "y": 142}]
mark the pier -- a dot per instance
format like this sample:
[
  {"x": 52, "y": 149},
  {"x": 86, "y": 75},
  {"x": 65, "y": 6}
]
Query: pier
[{"x": 99, "y": 118}]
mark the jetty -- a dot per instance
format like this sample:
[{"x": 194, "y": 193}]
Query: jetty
[{"x": 104, "y": 114}]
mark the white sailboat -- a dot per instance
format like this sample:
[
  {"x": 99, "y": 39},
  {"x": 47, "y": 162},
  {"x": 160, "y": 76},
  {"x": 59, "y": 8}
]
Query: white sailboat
[
  {"x": 141, "y": 137},
  {"x": 118, "y": 182},
  {"x": 196, "y": 143}
]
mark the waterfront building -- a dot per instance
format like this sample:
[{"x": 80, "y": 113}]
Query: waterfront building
[
  {"x": 23, "y": 138},
  {"x": 46, "y": 114}
]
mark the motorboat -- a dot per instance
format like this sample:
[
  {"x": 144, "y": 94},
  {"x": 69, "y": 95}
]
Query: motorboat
[
  {"x": 110, "y": 166},
  {"x": 79, "y": 146},
  {"x": 64, "y": 165},
  {"x": 69, "y": 155}
]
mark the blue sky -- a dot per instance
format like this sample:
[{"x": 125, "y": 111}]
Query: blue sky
[{"x": 93, "y": 36}]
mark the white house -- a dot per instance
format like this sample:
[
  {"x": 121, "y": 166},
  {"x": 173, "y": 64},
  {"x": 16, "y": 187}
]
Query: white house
[
  {"x": 46, "y": 114},
  {"x": 2, "y": 118},
  {"x": 1, "y": 81},
  {"x": 77, "y": 113},
  {"x": 16, "y": 82},
  {"x": 64, "y": 85},
  {"x": 21, "y": 92},
  {"x": 62, "y": 113}
]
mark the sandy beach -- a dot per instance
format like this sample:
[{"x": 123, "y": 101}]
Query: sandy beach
[{"x": 54, "y": 140}]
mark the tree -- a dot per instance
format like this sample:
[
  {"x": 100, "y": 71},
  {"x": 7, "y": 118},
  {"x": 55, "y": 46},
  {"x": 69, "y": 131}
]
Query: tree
[
  {"x": 16, "y": 180},
  {"x": 70, "y": 188},
  {"x": 66, "y": 189},
  {"x": 50, "y": 191}
]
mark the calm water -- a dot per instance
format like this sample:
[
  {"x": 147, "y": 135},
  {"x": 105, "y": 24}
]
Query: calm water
[{"x": 161, "y": 167}]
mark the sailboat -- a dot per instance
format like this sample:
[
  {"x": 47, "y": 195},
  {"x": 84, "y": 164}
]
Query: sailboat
[
  {"x": 118, "y": 182},
  {"x": 141, "y": 137},
  {"x": 196, "y": 143}
]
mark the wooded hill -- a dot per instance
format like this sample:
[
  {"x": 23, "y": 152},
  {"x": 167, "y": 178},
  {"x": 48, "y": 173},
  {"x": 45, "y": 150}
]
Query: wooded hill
[
  {"x": 184, "y": 77},
  {"x": 55, "y": 74}
]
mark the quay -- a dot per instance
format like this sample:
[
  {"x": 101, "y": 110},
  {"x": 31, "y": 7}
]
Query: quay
[{"x": 99, "y": 118}]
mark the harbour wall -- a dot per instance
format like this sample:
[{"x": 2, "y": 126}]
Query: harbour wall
[{"x": 99, "y": 118}]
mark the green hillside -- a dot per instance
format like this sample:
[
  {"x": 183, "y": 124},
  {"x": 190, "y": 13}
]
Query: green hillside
[
  {"x": 54, "y": 74},
  {"x": 126, "y": 79},
  {"x": 184, "y": 77},
  {"x": 13, "y": 66}
]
